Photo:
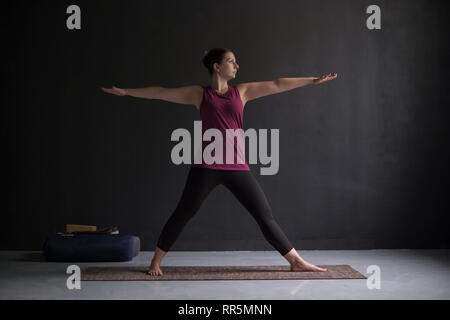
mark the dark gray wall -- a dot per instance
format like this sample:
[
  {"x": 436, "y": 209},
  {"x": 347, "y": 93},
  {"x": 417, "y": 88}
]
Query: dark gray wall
[{"x": 363, "y": 158}]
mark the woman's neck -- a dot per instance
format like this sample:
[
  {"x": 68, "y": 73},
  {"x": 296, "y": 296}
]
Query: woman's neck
[{"x": 219, "y": 84}]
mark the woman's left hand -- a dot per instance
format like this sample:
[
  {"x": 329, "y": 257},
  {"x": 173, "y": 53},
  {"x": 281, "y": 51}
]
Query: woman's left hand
[{"x": 328, "y": 77}]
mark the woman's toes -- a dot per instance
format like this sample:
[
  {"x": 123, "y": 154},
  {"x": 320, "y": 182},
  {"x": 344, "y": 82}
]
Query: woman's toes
[{"x": 155, "y": 273}]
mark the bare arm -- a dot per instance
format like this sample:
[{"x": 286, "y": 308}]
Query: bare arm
[
  {"x": 254, "y": 90},
  {"x": 286, "y": 84},
  {"x": 183, "y": 95}
]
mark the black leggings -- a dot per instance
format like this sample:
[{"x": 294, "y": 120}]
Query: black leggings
[{"x": 200, "y": 182}]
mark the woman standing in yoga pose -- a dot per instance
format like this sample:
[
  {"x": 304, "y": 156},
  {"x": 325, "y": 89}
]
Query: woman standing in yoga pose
[{"x": 221, "y": 107}]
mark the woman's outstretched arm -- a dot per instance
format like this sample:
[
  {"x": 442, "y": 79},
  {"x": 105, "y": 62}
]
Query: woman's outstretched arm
[
  {"x": 254, "y": 90},
  {"x": 183, "y": 95},
  {"x": 286, "y": 84}
]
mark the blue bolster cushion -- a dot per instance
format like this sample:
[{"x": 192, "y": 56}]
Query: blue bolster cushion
[{"x": 91, "y": 247}]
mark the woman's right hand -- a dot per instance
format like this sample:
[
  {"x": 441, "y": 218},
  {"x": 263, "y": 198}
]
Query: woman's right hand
[{"x": 116, "y": 91}]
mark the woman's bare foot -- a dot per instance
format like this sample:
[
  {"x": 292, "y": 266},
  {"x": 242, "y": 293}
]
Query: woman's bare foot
[
  {"x": 155, "y": 270},
  {"x": 298, "y": 264},
  {"x": 302, "y": 265}
]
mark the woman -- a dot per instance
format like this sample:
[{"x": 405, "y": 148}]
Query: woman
[{"x": 221, "y": 107}]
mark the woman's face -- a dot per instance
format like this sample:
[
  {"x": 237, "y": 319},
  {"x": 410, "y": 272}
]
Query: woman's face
[{"x": 228, "y": 68}]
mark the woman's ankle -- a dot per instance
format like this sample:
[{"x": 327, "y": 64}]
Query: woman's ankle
[
  {"x": 293, "y": 257},
  {"x": 158, "y": 256},
  {"x": 156, "y": 262}
]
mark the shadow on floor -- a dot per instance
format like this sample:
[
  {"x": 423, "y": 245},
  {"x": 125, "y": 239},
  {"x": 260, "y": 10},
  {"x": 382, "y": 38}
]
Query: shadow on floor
[{"x": 32, "y": 257}]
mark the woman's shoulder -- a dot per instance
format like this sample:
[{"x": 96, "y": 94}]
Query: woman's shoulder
[{"x": 239, "y": 88}]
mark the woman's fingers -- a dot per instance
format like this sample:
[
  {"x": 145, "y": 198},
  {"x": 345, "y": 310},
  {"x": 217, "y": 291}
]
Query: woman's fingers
[
  {"x": 120, "y": 91},
  {"x": 327, "y": 77},
  {"x": 114, "y": 90},
  {"x": 110, "y": 91},
  {"x": 330, "y": 76},
  {"x": 106, "y": 90}
]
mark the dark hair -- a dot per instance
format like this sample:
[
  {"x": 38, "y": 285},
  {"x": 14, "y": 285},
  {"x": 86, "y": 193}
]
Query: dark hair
[{"x": 212, "y": 56}]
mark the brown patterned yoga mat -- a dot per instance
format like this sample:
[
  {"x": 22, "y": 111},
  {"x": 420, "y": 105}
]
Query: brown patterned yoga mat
[{"x": 133, "y": 273}]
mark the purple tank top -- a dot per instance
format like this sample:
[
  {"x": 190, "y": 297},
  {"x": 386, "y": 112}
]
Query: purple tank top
[{"x": 223, "y": 111}]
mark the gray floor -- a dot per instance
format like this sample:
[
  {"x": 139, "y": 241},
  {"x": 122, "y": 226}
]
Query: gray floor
[{"x": 404, "y": 274}]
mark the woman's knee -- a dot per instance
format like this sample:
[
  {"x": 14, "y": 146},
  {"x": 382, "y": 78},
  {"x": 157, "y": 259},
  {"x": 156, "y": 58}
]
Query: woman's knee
[
  {"x": 264, "y": 217},
  {"x": 266, "y": 213},
  {"x": 183, "y": 215}
]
